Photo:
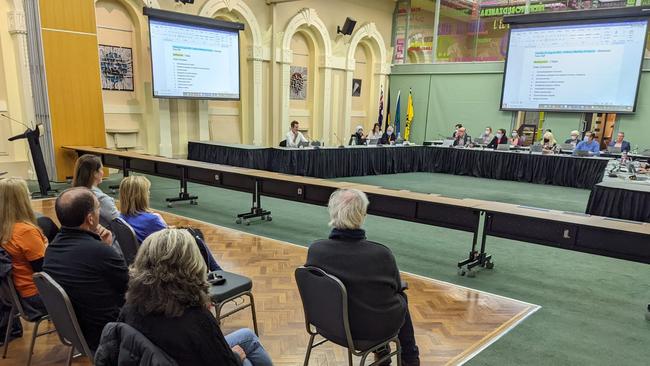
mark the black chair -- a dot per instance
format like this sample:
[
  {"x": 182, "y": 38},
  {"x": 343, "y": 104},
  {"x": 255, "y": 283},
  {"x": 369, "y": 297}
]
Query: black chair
[
  {"x": 236, "y": 286},
  {"x": 283, "y": 143},
  {"x": 126, "y": 237},
  {"x": 49, "y": 228},
  {"x": 62, "y": 313},
  {"x": 325, "y": 302},
  {"x": 17, "y": 310}
]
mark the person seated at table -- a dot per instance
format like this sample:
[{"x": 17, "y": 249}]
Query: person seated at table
[
  {"x": 134, "y": 208},
  {"x": 549, "y": 144},
  {"x": 168, "y": 302},
  {"x": 515, "y": 139},
  {"x": 88, "y": 172},
  {"x": 456, "y": 128},
  {"x": 376, "y": 132},
  {"x": 388, "y": 138},
  {"x": 620, "y": 142},
  {"x": 487, "y": 135},
  {"x": 294, "y": 137},
  {"x": 377, "y": 301},
  {"x": 23, "y": 240},
  {"x": 573, "y": 138},
  {"x": 499, "y": 139},
  {"x": 588, "y": 144},
  {"x": 462, "y": 138},
  {"x": 644, "y": 168},
  {"x": 358, "y": 137}
]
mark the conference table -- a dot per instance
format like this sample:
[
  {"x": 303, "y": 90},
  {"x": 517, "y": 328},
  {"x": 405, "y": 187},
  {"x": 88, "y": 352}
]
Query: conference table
[
  {"x": 336, "y": 162},
  {"x": 623, "y": 199}
]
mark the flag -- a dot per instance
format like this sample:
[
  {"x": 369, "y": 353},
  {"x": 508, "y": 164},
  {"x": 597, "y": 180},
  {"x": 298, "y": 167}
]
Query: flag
[
  {"x": 409, "y": 117},
  {"x": 388, "y": 112},
  {"x": 397, "y": 112},
  {"x": 380, "y": 119}
]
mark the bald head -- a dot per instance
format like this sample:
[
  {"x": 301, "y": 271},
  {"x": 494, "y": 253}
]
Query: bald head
[
  {"x": 77, "y": 207},
  {"x": 347, "y": 208}
]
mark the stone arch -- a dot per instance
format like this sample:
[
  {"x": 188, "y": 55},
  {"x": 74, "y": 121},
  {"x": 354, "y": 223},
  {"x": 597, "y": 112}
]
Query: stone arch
[
  {"x": 307, "y": 22},
  {"x": 211, "y": 7}
]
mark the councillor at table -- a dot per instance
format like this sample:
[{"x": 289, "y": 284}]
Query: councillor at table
[
  {"x": 549, "y": 144},
  {"x": 620, "y": 142},
  {"x": 487, "y": 136},
  {"x": 499, "y": 139},
  {"x": 462, "y": 138},
  {"x": 358, "y": 138},
  {"x": 376, "y": 132},
  {"x": 573, "y": 139},
  {"x": 588, "y": 144},
  {"x": 388, "y": 138},
  {"x": 515, "y": 139},
  {"x": 457, "y": 127},
  {"x": 295, "y": 137}
]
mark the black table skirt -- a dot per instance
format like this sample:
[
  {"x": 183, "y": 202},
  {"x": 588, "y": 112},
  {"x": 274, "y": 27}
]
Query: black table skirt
[
  {"x": 347, "y": 162},
  {"x": 628, "y": 204}
]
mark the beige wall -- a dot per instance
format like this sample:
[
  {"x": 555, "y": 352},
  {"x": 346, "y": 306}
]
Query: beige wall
[{"x": 299, "y": 32}]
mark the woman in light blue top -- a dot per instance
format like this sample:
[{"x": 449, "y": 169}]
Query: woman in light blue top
[{"x": 89, "y": 172}]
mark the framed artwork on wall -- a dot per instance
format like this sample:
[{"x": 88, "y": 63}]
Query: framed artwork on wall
[
  {"x": 298, "y": 83},
  {"x": 116, "y": 67},
  {"x": 356, "y": 87}
]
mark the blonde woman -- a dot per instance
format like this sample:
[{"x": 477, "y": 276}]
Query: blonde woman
[
  {"x": 88, "y": 172},
  {"x": 549, "y": 144},
  {"x": 21, "y": 237},
  {"x": 134, "y": 208},
  {"x": 167, "y": 301}
]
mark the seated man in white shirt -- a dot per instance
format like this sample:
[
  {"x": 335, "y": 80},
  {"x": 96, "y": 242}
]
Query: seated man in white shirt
[{"x": 295, "y": 137}]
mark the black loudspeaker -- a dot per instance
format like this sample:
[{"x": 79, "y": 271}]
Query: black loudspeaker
[{"x": 348, "y": 27}]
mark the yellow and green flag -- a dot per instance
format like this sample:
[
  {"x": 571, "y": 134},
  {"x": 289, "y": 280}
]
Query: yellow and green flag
[{"x": 409, "y": 117}]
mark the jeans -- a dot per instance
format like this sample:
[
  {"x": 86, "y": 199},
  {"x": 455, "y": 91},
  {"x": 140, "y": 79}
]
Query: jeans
[
  {"x": 33, "y": 306},
  {"x": 255, "y": 353}
]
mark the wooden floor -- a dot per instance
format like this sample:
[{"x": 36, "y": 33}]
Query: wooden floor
[{"x": 452, "y": 323}]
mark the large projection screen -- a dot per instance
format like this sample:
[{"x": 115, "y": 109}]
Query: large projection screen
[
  {"x": 194, "y": 61},
  {"x": 578, "y": 66}
]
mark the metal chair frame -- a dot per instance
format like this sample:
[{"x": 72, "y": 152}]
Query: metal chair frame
[
  {"x": 251, "y": 304},
  {"x": 348, "y": 335}
]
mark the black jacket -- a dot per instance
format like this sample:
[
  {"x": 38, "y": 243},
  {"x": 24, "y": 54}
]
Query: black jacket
[
  {"x": 496, "y": 141},
  {"x": 194, "y": 338},
  {"x": 122, "y": 345},
  {"x": 377, "y": 307},
  {"x": 386, "y": 140},
  {"x": 93, "y": 275},
  {"x": 466, "y": 140}
]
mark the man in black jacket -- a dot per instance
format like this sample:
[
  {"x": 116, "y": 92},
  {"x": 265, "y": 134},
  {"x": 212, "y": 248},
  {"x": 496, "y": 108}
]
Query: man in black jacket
[
  {"x": 81, "y": 260},
  {"x": 377, "y": 303}
]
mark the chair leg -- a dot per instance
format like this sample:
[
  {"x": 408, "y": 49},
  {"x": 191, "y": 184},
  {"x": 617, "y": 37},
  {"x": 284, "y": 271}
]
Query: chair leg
[
  {"x": 10, "y": 323},
  {"x": 398, "y": 345},
  {"x": 217, "y": 310},
  {"x": 309, "y": 347},
  {"x": 252, "y": 300},
  {"x": 363, "y": 359},
  {"x": 70, "y": 354},
  {"x": 31, "y": 345},
  {"x": 350, "y": 357}
]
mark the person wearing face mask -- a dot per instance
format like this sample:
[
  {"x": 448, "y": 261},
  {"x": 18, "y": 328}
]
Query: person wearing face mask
[
  {"x": 499, "y": 139},
  {"x": 487, "y": 136},
  {"x": 457, "y": 127},
  {"x": 549, "y": 144},
  {"x": 573, "y": 140},
  {"x": 462, "y": 138},
  {"x": 588, "y": 144},
  {"x": 358, "y": 138},
  {"x": 388, "y": 138},
  {"x": 516, "y": 140}
]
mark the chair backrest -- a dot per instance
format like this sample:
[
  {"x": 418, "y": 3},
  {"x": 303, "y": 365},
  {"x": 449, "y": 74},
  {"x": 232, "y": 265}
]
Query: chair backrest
[
  {"x": 15, "y": 297},
  {"x": 61, "y": 312},
  {"x": 49, "y": 228},
  {"x": 325, "y": 303},
  {"x": 283, "y": 143},
  {"x": 127, "y": 239}
]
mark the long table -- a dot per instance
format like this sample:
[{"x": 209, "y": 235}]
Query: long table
[
  {"x": 573, "y": 231},
  {"x": 332, "y": 162},
  {"x": 624, "y": 200}
]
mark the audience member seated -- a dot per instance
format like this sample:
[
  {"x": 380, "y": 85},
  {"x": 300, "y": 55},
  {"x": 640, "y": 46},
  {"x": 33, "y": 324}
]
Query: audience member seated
[
  {"x": 588, "y": 144},
  {"x": 81, "y": 260},
  {"x": 499, "y": 139},
  {"x": 549, "y": 144},
  {"x": 294, "y": 137},
  {"x": 388, "y": 138},
  {"x": 23, "y": 240},
  {"x": 134, "y": 208},
  {"x": 358, "y": 138},
  {"x": 461, "y": 138},
  {"x": 516, "y": 140},
  {"x": 88, "y": 172},
  {"x": 620, "y": 142},
  {"x": 376, "y": 132},
  {"x": 378, "y": 308},
  {"x": 457, "y": 127},
  {"x": 573, "y": 139},
  {"x": 487, "y": 135},
  {"x": 168, "y": 303}
]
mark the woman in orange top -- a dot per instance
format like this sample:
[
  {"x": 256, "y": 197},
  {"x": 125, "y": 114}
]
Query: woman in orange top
[{"x": 21, "y": 237}]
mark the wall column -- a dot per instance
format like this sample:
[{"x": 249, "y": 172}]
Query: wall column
[{"x": 165, "y": 129}]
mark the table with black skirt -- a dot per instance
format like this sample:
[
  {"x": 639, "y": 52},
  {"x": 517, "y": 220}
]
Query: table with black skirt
[{"x": 622, "y": 200}]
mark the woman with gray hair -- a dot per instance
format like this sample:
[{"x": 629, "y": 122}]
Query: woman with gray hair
[
  {"x": 377, "y": 304},
  {"x": 167, "y": 301}
]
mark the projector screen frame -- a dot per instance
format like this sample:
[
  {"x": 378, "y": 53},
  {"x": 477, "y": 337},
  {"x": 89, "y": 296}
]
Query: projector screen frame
[
  {"x": 198, "y": 21},
  {"x": 555, "y": 20}
]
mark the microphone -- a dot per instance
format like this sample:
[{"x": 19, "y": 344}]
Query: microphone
[
  {"x": 2, "y": 173},
  {"x": 339, "y": 139},
  {"x": 11, "y": 119}
]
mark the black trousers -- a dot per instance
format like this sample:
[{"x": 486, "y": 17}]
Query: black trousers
[{"x": 406, "y": 335}]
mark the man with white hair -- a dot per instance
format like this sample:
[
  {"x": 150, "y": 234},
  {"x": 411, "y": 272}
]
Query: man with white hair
[
  {"x": 358, "y": 138},
  {"x": 377, "y": 304}
]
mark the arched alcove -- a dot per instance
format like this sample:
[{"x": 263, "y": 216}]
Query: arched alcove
[{"x": 304, "y": 76}]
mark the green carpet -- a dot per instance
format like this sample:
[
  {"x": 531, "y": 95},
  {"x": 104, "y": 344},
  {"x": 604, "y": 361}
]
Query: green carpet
[{"x": 592, "y": 307}]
